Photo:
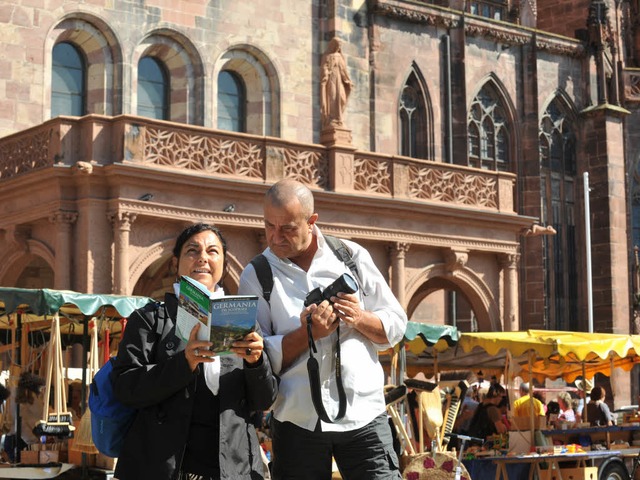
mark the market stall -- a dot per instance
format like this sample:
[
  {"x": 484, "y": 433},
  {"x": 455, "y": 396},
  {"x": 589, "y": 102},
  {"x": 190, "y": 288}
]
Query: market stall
[
  {"x": 550, "y": 354},
  {"x": 54, "y": 314}
]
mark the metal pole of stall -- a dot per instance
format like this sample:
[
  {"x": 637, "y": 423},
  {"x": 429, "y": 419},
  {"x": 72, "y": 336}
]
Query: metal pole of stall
[
  {"x": 83, "y": 398},
  {"x": 18, "y": 437},
  {"x": 587, "y": 236}
]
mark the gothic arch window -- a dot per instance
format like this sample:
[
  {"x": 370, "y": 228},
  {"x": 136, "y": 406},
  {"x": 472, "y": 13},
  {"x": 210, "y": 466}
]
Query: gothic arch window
[
  {"x": 245, "y": 68},
  {"x": 232, "y": 100},
  {"x": 414, "y": 126},
  {"x": 68, "y": 81},
  {"x": 489, "y": 138},
  {"x": 557, "y": 143},
  {"x": 153, "y": 89}
]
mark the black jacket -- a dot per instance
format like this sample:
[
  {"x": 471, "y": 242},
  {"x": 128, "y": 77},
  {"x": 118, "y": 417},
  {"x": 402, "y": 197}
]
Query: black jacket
[{"x": 156, "y": 379}]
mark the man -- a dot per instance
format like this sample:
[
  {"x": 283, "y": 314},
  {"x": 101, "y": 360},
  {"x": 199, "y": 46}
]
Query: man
[
  {"x": 584, "y": 387},
  {"x": 521, "y": 406},
  {"x": 368, "y": 321}
]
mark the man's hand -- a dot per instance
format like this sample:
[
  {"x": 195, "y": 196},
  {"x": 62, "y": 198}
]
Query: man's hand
[
  {"x": 324, "y": 319},
  {"x": 347, "y": 307}
]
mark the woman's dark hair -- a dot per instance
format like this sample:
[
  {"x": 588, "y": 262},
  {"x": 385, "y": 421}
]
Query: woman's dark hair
[
  {"x": 597, "y": 393},
  {"x": 553, "y": 407},
  {"x": 194, "y": 229},
  {"x": 495, "y": 390}
]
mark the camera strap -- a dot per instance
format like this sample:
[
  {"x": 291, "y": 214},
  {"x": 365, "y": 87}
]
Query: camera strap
[{"x": 314, "y": 379}]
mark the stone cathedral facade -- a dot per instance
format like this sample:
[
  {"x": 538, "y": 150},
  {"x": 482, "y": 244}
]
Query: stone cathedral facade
[{"x": 459, "y": 159}]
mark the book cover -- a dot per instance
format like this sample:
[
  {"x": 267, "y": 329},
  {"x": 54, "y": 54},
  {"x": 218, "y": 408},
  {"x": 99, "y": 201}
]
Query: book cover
[
  {"x": 232, "y": 317},
  {"x": 223, "y": 319}
]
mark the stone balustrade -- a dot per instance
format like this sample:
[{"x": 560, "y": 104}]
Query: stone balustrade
[{"x": 101, "y": 140}]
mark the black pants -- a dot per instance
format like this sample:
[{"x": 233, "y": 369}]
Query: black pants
[{"x": 363, "y": 454}]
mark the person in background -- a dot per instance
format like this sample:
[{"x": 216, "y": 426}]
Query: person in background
[
  {"x": 598, "y": 413},
  {"x": 487, "y": 419},
  {"x": 553, "y": 412},
  {"x": 30, "y": 397},
  {"x": 194, "y": 419},
  {"x": 541, "y": 397},
  {"x": 503, "y": 406},
  {"x": 521, "y": 406},
  {"x": 584, "y": 390},
  {"x": 361, "y": 324},
  {"x": 467, "y": 409},
  {"x": 566, "y": 407}
]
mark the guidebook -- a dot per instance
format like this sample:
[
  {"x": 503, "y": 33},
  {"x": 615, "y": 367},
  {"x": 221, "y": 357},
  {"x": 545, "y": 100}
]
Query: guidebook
[{"x": 223, "y": 319}]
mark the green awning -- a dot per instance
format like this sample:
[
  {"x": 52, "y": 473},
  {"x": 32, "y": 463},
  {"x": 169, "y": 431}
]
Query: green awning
[
  {"x": 47, "y": 302},
  {"x": 421, "y": 335}
]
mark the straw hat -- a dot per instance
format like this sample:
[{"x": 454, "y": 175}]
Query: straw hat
[{"x": 585, "y": 385}]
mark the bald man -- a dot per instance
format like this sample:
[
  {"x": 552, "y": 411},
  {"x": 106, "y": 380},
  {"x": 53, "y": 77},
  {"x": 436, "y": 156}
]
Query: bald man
[{"x": 348, "y": 331}]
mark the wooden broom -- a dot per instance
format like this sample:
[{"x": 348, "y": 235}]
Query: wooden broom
[
  {"x": 58, "y": 422},
  {"x": 83, "y": 442}
]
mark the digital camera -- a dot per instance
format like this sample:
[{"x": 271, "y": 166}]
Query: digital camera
[{"x": 345, "y": 283}]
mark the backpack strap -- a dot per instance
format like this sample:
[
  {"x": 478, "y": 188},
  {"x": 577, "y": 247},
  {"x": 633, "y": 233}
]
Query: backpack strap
[
  {"x": 264, "y": 274},
  {"x": 337, "y": 246},
  {"x": 344, "y": 254}
]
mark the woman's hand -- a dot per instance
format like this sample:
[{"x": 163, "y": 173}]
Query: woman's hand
[
  {"x": 197, "y": 351},
  {"x": 250, "y": 348}
]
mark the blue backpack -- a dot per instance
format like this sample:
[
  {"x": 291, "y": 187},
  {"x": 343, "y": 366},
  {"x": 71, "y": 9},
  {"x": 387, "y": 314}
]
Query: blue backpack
[{"x": 110, "y": 419}]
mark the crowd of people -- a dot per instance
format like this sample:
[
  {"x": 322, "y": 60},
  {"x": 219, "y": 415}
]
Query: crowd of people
[{"x": 487, "y": 411}]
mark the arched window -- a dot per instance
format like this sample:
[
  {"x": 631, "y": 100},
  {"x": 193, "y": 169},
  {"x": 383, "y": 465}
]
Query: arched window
[
  {"x": 488, "y": 134},
  {"x": 415, "y": 118},
  {"x": 68, "y": 81},
  {"x": 153, "y": 89},
  {"x": 558, "y": 162},
  {"x": 232, "y": 100}
]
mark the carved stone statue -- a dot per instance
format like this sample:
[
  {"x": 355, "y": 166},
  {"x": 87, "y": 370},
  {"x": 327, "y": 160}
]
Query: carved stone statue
[{"x": 335, "y": 85}]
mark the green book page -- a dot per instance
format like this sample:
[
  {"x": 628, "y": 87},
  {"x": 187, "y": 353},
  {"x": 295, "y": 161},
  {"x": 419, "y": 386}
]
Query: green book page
[{"x": 193, "y": 307}]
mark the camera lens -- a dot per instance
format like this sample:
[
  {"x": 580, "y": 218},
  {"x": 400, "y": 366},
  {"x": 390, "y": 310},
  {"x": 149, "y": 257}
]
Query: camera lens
[{"x": 345, "y": 284}]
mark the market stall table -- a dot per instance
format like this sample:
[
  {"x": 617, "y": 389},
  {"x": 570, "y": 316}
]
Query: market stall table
[{"x": 534, "y": 462}]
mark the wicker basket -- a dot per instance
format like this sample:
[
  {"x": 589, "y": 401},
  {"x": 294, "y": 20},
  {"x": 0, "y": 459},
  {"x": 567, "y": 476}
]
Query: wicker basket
[{"x": 441, "y": 466}]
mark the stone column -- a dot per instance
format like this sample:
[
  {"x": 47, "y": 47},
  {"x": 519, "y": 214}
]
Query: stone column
[
  {"x": 63, "y": 220},
  {"x": 121, "y": 228},
  {"x": 509, "y": 264},
  {"x": 398, "y": 274},
  {"x": 604, "y": 159}
]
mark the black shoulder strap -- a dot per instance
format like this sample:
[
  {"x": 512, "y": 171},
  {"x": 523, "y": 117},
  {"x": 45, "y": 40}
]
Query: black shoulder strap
[
  {"x": 264, "y": 274},
  {"x": 344, "y": 254},
  {"x": 338, "y": 247}
]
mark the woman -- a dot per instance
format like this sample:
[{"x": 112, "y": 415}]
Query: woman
[
  {"x": 566, "y": 407},
  {"x": 194, "y": 408},
  {"x": 487, "y": 419},
  {"x": 598, "y": 413}
]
